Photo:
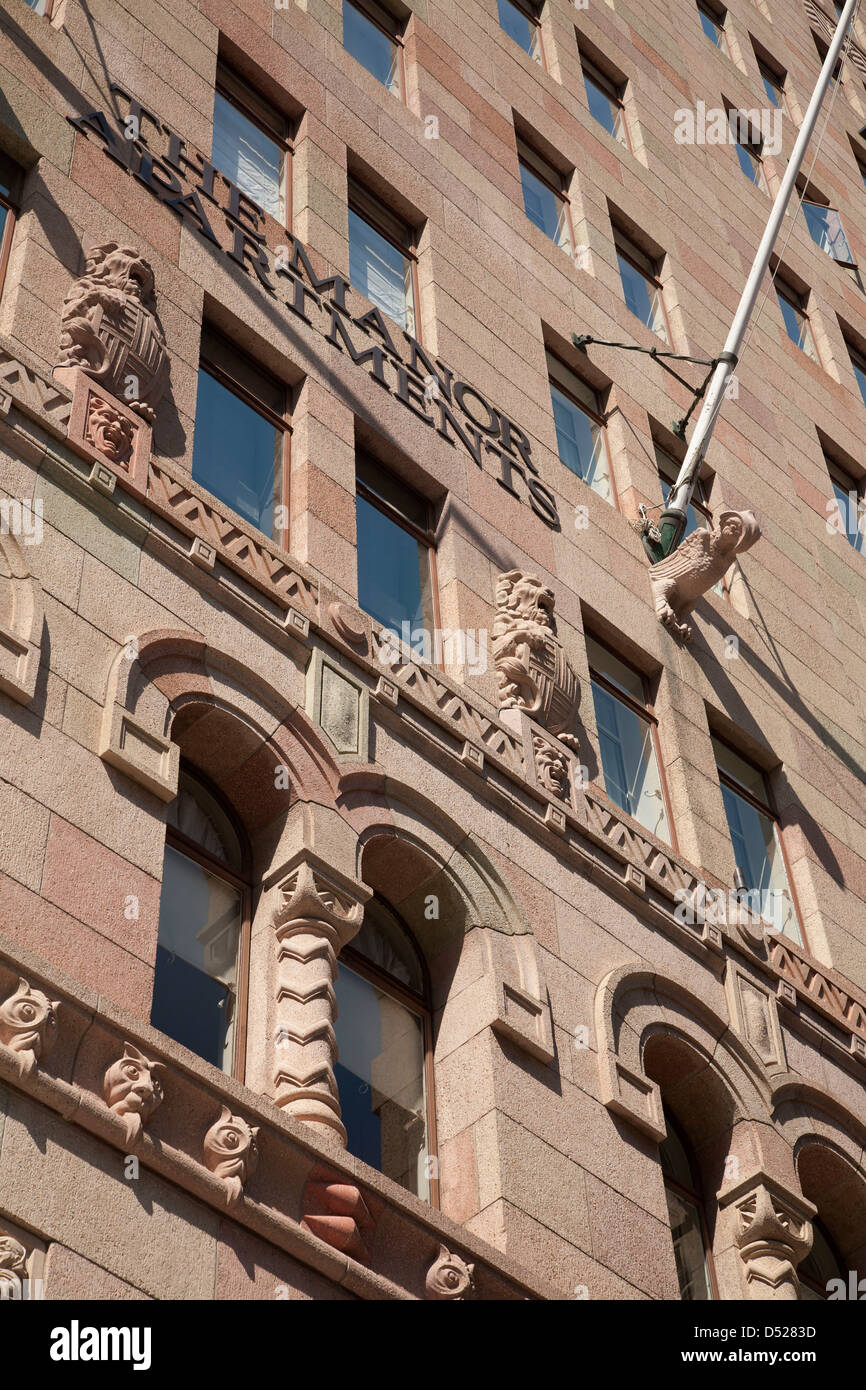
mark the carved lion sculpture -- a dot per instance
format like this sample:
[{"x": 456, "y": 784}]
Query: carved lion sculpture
[
  {"x": 694, "y": 567},
  {"x": 109, "y": 328},
  {"x": 534, "y": 672}
]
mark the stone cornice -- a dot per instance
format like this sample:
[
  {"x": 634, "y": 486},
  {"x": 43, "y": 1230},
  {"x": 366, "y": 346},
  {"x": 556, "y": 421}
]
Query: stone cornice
[
  {"x": 432, "y": 711},
  {"x": 267, "y": 1195}
]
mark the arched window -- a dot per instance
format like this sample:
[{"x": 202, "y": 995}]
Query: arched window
[
  {"x": 204, "y": 916},
  {"x": 384, "y": 1072},
  {"x": 692, "y": 1252},
  {"x": 820, "y": 1266}
]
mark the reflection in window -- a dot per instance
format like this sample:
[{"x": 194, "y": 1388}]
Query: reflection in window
[
  {"x": 381, "y": 258},
  {"x": 544, "y": 202},
  {"x": 382, "y": 1029},
  {"x": 580, "y": 440},
  {"x": 250, "y": 140},
  {"x": 521, "y": 25},
  {"x": 241, "y": 434},
  {"x": 202, "y": 915},
  {"x": 605, "y": 101},
  {"x": 796, "y": 320},
  {"x": 826, "y": 230},
  {"x": 371, "y": 35},
  {"x": 755, "y": 839},
  {"x": 626, "y": 735},
  {"x": 850, "y": 516},
  {"x": 395, "y": 576},
  {"x": 685, "y": 1212},
  {"x": 641, "y": 285}
]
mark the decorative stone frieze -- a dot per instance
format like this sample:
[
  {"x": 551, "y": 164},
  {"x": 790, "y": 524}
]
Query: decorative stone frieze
[
  {"x": 683, "y": 577},
  {"x": 231, "y": 1153},
  {"x": 449, "y": 1277},
  {"x": 316, "y": 915},
  {"x": 28, "y": 1024},
  {"x": 534, "y": 672},
  {"x": 133, "y": 1089},
  {"x": 772, "y": 1232},
  {"x": 110, "y": 331}
]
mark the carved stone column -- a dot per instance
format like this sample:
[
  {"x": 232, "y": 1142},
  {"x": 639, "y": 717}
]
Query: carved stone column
[
  {"x": 772, "y": 1231},
  {"x": 317, "y": 913}
]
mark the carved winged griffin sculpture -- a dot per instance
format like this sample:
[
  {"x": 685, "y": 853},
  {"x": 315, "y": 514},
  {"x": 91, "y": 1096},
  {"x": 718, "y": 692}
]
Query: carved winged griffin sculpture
[{"x": 696, "y": 565}]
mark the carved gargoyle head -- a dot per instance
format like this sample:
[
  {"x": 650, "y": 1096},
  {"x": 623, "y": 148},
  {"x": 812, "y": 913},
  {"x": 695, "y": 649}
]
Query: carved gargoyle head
[{"x": 133, "y": 1084}]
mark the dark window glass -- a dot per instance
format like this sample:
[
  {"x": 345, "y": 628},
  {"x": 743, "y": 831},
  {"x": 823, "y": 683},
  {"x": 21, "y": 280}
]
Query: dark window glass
[
  {"x": 686, "y": 1218},
  {"x": 239, "y": 444},
  {"x": 796, "y": 321},
  {"x": 858, "y": 362},
  {"x": 395, "y": 583},
  {"x": 604, "y": 103},
  {"x": 580, "y": 439},
  {"x": 640, "y": 286},
  {"x": 518, "y": 26},
  {"x": 826, "y": 230},
  {"x": 375, "y": 48},
  {"x": 201, "y": 919},
  {"x": 714, "y": 27},
  {"x": 774, "y": 86},
  {"x": 382, "y": 1031}
]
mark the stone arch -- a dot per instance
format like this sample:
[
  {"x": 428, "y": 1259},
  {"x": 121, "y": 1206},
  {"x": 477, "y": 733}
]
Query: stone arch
[
  {"x": 21, "y": 620},
  {"x": 171, "y": 686},
  {"x": 466, "y": 920},
  {"x": 829, "y": 1146}
]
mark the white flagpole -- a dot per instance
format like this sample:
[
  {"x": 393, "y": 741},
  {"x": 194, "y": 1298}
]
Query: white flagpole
[{"x": 672, "y": 522}]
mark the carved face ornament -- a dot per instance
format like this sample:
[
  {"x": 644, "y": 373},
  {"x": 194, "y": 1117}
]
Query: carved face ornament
[
  {"x": 133, "y": 1085},
  {"x": 28, "y": 1020}
]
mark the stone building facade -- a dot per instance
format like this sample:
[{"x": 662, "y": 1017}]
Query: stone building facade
[{"x": 365, "y": 924}]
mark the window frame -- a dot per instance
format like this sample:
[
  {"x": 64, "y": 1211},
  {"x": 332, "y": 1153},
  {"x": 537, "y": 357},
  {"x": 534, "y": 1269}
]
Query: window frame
[
  {"x": 633, "y": 254},
  {"x": 858, "y": 364},
  {"x": 543, "y": 173},
  {"x": 234, "y": 88},
  {"x": 47, "y": 13},
  {"x": 646, "y": 712},
  {"x": 611, "y": 90},
  {"x": 794, "y": 299},
  {"x": 839, "y": 475},
  {"x": 425, "y": 537},
  {"x": 777, "y": 79},
  {"x": 382, "y": 19},
  {"x": 282, "y": 422},
  {"x": 694, "y": 1196},
  {"x": 768, "y": 809},
  {"x": 529, "y": 11},
  {"x": 597, "y": 417},
  {"x": 10, "y": 202},
  {"x": 401, "y": 235},
  {"x": 712, "y": 14},
  {"x": 422, "y": 1006},
  {"x": 828, "y": 207},
  {"x": 176, "y": 840},
  {"x": 753, "y": 148}
]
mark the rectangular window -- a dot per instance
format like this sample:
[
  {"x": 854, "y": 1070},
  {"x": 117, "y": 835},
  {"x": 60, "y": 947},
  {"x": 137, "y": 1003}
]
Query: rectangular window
[
  {"x": 241, "y": 450},
  {"x": 544, "y": 198},
  {"x": 42, "y": 7},
  {"x": 251, "y": 143},
  {"x": 850, "y": 503},
  {"x": 858, "y": 362},
  {"x": 10, "y": 187},
  {"x": 605, "y": 101},
  {"x": 826, "y": 230},
  {"x": 713, "y": 25},
  {"x": 627, "y": 740},
  {"x": 754, "y": 832},
  {"x": 396, "y": 556},
  {"x": 373, "y": 36},
  {"x": 580, "y": 435},
  {"x": 640, "y": 284},
  {"x": 521, "y": 23},
  {"x": 749, "y": 147},
  {"x": 774, "y": 85},
  {"x": 796, "y": 319},
  {"x": 382, "y": 257}
]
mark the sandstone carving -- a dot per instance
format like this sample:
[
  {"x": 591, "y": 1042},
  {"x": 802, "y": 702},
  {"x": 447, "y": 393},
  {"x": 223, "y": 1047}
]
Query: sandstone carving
[
  {"x": 335, "y": 1211},
  {"x": 109, "y": 328},
  {"x": 28, "y": 1024},
  {"x": 551, "y": 764},
  {"x": 13, "y": 1267},
  {"x": 683, "y": 577},
  {"x": 449, "y": 1277},
  {"x": 534, "y": 672},
  {"x": 772, "y": 1238},
  {"x": 133, "y": 1089},
  {"x": 231, "y": 1152},
  {"x": 109, "y": 431}
]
